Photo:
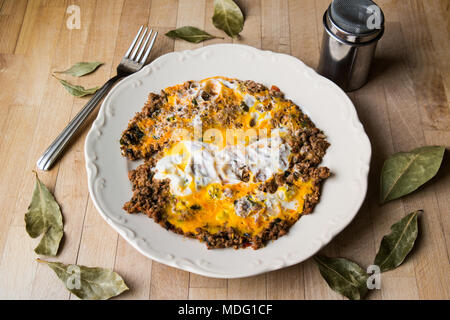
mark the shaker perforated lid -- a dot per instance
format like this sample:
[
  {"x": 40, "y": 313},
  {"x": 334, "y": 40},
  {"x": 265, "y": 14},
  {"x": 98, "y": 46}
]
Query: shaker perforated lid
[{"x": 356, "y": 20}]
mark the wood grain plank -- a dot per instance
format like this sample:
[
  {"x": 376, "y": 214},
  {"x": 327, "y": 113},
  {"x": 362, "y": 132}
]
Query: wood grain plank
[
  {"x": 432, "y": 84},
  {"x": 433, "y": 113},
  {"x": 168, "y": 283},
  {"x": 286, "y": 283},
  {"x": 315, "y": 286},
  {"x": 16, "y": 248},
  {"x": 250, "y": 288},
  {"x": 435, "y": 99},
  {"x": 163, "y": 18},
  {"x": 12, "y": 140},
  {"x": 390, "y": 288},
  {"x": 198, "y": 281},
  {"x": 12, "y": 14},
  {"x": 163, "y": 13},
  {"x": 251, "y": 34},
  {"x": 134, "y": 267},
  {"x": 207, "y": 293},
  {"x": 372, "y": 110},
  {"x": 70, "y": 189},
  {"x": 32, "y": 15},
  {"x": 98, "y": 245},
  {"x": 190, "y": 13},
  {"x": 98, "y": 242},
  {"x": 383, "y": 217},
  {"x": 134, "y": 13},
  {"x": 22, "y": 123},
  {"x": 275, "y": 26},
  {"x": 437, "y": 14},
  {"x": 407, "y": 131},
  {"x": 357, "y": 241},
  {"x": 16, "y": 278},
  {"x": 72, "y": 174},
  {"x": 37, "y": 41},
  {"x": 303, "y": 30},
  {"x": 10, "y": 67},
  {"x": 321, "y": 7}
]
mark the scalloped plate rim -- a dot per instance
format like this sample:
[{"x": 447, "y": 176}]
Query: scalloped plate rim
[{"x": 191, "y": 266}]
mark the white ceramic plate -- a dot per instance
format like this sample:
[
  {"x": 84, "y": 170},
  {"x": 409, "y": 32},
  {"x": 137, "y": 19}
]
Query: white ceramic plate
[{"x": 329, "y": 108}]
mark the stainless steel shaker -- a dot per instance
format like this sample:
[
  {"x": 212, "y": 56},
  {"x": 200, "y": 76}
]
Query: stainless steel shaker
[{"x": 352, "y": 31}]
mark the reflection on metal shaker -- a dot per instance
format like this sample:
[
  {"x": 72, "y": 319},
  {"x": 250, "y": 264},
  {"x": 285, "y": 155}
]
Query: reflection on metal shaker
[{"x": 352, "y": 31}]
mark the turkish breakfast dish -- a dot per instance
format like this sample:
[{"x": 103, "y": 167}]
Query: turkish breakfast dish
[{"x": 231, "y": 163}]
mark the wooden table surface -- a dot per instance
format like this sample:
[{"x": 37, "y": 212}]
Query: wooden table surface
[{"x": 405, "y": 105}]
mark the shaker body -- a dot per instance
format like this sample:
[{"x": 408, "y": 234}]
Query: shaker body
[
  {"x": 346, "y": 65},
  {"x": 344, "y": 62}
]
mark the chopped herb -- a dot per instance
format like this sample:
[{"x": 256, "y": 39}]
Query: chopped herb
[
  {"x": 244, "y": 106},
  {"x": 196, "y": 207},
  {"x": 155, "y": 113},
  {"x": 214, "y": 193},
  {"x": 205, "y": 96},
  {"x": 250, "y": 198},
  {"x": 165, "y": 96},
  {"x": 304, "y": 123},
  {"x": 132, "y": 135}
]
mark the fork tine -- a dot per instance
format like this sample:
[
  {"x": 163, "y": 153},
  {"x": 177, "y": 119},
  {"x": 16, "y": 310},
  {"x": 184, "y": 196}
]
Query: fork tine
[
  {"x": 147, "y": 53},
  {"x": 138, "y": 45},
  {"x": 144, "y": 45},
  {"x": 134, "y": 42}
]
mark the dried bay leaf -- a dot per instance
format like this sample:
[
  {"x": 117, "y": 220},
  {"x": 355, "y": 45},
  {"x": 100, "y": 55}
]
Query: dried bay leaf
[
  {"x": 404, "y": 172},
  {"x": 395, "y": 246},
  {"x": 77, "y": 91},
  {"x": 81, "y": 68},
  {"x": 191, "y": 34},
  {"x": 228, "y": 17},
  {"x": 88, "y": 283},
  {"x": 343, "y": 276},
  {"x": 44, "y": 217}
]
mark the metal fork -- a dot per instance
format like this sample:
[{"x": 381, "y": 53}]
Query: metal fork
[{"x": 132, "y": 62}]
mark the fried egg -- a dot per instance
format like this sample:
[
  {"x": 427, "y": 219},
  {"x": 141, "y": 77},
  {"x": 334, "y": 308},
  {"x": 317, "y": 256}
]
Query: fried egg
[{"x": 236, "y": 139}]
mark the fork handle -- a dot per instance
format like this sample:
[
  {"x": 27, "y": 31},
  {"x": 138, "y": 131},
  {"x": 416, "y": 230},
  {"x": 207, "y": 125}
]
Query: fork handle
[{"x": 50, "y": 155}]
